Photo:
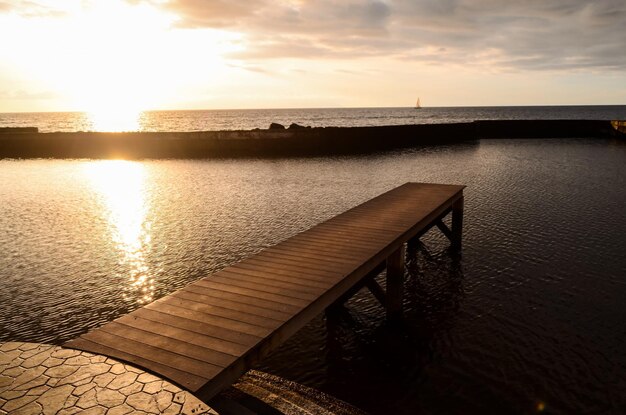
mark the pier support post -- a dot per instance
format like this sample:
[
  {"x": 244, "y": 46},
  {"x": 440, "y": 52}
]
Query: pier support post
[
  {"x": 395, "y": 283},
  {"x": 457, "y": 224}
]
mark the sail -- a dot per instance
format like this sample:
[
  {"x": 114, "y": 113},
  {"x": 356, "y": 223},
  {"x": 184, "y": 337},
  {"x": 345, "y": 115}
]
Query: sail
[{"x": 417, "y": 104}]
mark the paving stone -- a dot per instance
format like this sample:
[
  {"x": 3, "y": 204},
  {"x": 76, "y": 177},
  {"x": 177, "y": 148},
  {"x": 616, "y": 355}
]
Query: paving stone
[
  {"x": 147, "y": 378},
  {"x": 164, "y": 400},
  {"x": 61, "y": 371},
  {"x": 70, "y": 411},
  {"x": 15, "y": 404},
  {"x": 133, "y": 369},
  {"x": 179, "y": 397},
  {"x": 8, "y": 357},
  {"x": 122, "y": 380},
  {"x": 53, "y": 400},
  {"x": 12, "y": 372},
  {"x": 84, "y": 381},
  {"x": 118, "y": 369},
  {"x": 143, "y": 401},
  {"x": 53, "y": 380},
  {"x": 82, "y": 389},
  {"x": 38, "y": 391},
  {"x": 28, "y": 375},
  {"x": 104, "y": 379},
  {"x": 85, "y": 372},
  {"x": 130, "y": 389},
  {"x": 120, "y": 410},
  {"x": 30, "y": 409},
  {"x": 87, "y": 400},
  {"x": 194, "y": 408},
  {"x": 9, "y": 346},
  {"x": 41, "y": 380},
  {"x": 109, "y": 398},
  {"x": 70, "y": 401},
  {"x": 97, "y": 410},
  {"x": 35, "y": 360},
  {"x": 5, "y": 381},
  {"x": 64, "y": 353},
  {"x": 78, "y": 361},
  {"x": 153, "y": 387},
  {"x": 171, "y": 388},
  {"x": 98, "y": 359},
  {"x": 173, "y": 409},
  {"x": 11, "y": 394},
  {"x": 52, "y": 362},
  {"x": 28, "y": 346}
]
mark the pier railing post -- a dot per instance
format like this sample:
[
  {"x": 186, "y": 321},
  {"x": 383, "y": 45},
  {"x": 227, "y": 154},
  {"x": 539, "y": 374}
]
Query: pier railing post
[
  {"x": 457, "y": 224},
  {"x": 395, "y": 283}
]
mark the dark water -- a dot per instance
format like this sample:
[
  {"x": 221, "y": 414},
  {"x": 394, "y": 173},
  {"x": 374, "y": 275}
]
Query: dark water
[
  {"x": 531, "y": 316},
  {"x": 204, "y": 120}
]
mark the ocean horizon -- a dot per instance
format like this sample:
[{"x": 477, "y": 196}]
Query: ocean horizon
[{"x": 248, "y": 119}]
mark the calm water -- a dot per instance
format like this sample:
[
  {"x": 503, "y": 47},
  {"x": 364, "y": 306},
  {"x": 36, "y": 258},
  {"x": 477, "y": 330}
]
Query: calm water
[
  {"x": 532, "y": 314},
  {"x": 249, "y": 119}
]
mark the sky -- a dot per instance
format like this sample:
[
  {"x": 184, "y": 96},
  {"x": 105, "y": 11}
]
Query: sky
[{"x": 128, "y": 55}]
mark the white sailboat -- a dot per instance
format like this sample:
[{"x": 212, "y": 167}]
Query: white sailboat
[{"x": 417, "y": 104}]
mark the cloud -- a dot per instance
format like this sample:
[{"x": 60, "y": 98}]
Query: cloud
[
  {"x": 526, "y": 34},
  {"x": 30, "y": 9}
]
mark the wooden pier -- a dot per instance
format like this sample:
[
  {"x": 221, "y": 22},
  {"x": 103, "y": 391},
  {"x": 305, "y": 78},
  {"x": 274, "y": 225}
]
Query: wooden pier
[{"x": 206, "y": 335}]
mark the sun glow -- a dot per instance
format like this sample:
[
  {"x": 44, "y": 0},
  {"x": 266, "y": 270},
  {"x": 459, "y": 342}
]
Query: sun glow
[
  {"x": 121, "y": 185},
  {"x": 112, "y": 59}
]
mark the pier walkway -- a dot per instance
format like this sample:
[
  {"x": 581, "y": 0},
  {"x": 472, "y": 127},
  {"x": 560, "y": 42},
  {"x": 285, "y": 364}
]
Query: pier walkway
[{"x": 206, "y": 335}]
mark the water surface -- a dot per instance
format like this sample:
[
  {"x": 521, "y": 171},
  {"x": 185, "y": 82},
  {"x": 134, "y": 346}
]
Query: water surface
[{"x": 532, "y": 313}]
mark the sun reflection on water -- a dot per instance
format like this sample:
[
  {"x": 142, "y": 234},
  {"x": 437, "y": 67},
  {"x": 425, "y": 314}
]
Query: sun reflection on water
[{"x": 121, "y": 184}]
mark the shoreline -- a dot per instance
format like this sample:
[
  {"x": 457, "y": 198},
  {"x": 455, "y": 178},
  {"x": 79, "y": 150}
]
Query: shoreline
[{"x": 280, "y": 142}]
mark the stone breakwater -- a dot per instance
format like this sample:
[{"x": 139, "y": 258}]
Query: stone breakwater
[{"x": 280, "y": 142}]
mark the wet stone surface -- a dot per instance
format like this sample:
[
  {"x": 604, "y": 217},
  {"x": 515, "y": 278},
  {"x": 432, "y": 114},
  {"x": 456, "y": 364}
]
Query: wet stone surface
[{"x": 44, "y": 379}]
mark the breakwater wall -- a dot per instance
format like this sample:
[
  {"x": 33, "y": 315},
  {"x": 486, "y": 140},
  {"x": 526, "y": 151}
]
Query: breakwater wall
[{"x": 281, "y": 142}]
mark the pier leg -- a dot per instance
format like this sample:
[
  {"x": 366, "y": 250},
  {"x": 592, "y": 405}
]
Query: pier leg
[
  {"x": 395, "y": 283},
  {"x": 457, "y": 224}
]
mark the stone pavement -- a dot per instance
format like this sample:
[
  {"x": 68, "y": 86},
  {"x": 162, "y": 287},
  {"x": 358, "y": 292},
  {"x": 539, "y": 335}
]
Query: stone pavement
[{"x": 45, "y": 379}]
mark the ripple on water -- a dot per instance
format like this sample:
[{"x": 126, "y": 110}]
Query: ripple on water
[{"x": 531, "y": 313}]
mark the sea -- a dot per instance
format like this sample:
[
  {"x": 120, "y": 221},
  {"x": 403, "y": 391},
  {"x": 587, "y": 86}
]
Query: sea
[
  {"x": 529, "y": 319},
  {"x": 207, "y": 120}
]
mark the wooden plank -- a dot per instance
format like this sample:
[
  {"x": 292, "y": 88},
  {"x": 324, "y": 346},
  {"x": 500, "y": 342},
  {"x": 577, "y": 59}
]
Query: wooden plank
[
  {"x": 216, "y": 321},
  {"x": 310, "y": 255},
  {"x": 241, "y": 281},
  {"x": 301, "y": 262},
  {"x": 181, "y": 378},
  {"x": 265, "y": 273},
  {"x": 209, "y": 307},
  {"x": 153, "y": 354},
  {"x": 287, "y": 269},
  {"x": 210, "y": 298},
  {"x": 232, "y": 342},
  {"x": 172, "y": 344},
  {"x": 333, "y": 245},
  {"x": 326, "y": 247},
  {"x": 179, "y": 331},
  {"x": 206, "y": 282},
  {"x": 242, "y": 298},
  {"x": 272, "y": 281},
  {"x": 364, "y": 244}
]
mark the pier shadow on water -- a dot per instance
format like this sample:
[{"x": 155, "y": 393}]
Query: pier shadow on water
[{"x": 368, "y": 357}]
